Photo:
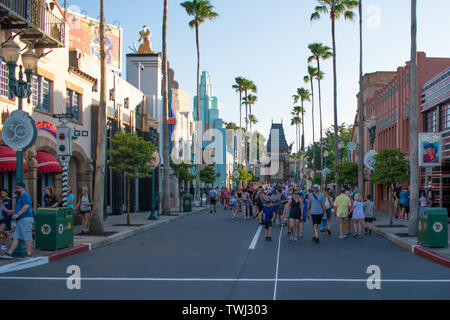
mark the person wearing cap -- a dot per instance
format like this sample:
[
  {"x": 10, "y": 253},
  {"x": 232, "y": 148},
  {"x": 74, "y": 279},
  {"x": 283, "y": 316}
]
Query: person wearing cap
[
  {"x": 23, "y": 215},
  {"x": 316, "y": 209}
]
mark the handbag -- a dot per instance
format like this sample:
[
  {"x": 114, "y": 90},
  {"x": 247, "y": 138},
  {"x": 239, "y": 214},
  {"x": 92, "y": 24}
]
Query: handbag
[{"x": 324, "y": 224}]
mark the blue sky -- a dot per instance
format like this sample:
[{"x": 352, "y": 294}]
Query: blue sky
[{"x": 266, "y": 41}]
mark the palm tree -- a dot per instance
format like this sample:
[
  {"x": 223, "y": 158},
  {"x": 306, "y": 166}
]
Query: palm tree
[
  {"x": 302, "y": 95},
  {"x": 312, "y": 74},
  {"x": 296, "y": 121},
  {"x": 201, "y": 10},
  {"x": 96, "y": 219},
  {"x": 413, "y": 144},
  {"x": 249, "y": 101},
  {"x": 361, "y": 184},
  {"x": 335, "y": 8},
  {"x": 166, "y": 177},
  {"x": 239, "y": 87},
  {"x": 248, "y": 86},
  {"x": 319, "y": 51}
]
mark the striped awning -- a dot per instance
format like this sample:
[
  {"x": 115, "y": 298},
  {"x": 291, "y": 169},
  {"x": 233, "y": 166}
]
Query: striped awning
[
  {"x": 47, "y": 163},
  {"x": 8, "y": 159}
]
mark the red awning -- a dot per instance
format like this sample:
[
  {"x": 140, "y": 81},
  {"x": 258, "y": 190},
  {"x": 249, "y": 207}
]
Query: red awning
[
  {"x": 47, "y": 163},
  {"x": 8, "y": 159}
]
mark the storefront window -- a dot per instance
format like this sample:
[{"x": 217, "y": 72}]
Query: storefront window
[
  {"x": 445, "y": 117},
  {"x": 73, "y": 104},
  {"x": 41, "y": 93},
  {"x": 432, "y": 120}
]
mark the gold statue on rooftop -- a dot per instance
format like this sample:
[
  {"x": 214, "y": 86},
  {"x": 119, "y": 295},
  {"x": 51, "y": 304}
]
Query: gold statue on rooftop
[{"x": 145, "y": 47}]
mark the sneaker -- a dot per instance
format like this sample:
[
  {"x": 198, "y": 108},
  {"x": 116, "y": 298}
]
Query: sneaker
[
  {"x": 267, "y": 238},
  {"x": 359, "y": 236},
  {"x": 317, "y": 240},
  {"x": 291, "y": 237},
  {"x": 295, "y": 239},
  {"x": 355, "y": 235},
  {"x": 6, "y": 256},
  {"x": 270, "y": 238},
  {"x": 313, "y": 238},
  {"x": 342, "y": 237},
  {"x": 27, "y": 257},
  {"x": 300, "y": 234},
  {"x": 210, "y": 211},
  {"x": 4, "y": 248}
]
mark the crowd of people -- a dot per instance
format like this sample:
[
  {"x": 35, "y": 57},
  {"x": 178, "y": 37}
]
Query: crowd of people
[
  {"x": 292, "y": 206},
  {"x": 17, "y": 216}
]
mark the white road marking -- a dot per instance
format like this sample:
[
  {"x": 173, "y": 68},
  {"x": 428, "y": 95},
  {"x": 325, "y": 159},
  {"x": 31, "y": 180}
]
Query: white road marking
[
  {"x": 255, "y": 238},
  {"x": 229, "y": 279},
  {"x": 24, "y": 264},
  {"x": 278, "y": 262}
]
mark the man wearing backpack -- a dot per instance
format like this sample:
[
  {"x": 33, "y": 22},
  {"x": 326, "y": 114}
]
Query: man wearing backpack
[{"x": 316, "y": 209}]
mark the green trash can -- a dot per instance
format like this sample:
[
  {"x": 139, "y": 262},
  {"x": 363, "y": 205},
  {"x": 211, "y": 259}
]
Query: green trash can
[
  {"x": 54, "y": 228},
  {"x": 187, "y": 202},
  {"x": 433, "y": 228}
]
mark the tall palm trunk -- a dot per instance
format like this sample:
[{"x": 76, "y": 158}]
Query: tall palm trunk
[
  {"x": 320, "y": 114},
  {"x": 312, "y": 112},
  {"x": 361, "y": 184},
  {"x": 166, "y": 185},
  {"x": 246, "y": 127},
  {"x": 96, "y": 219},
  {"x": 303, "y": 132},
  {"x": 199, "y": 130},
  {"x": 413, "y": 145},
  {"x": 336, "y": 129}
]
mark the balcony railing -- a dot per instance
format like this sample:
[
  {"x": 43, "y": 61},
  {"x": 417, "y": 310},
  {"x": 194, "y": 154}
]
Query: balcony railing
[{"x": 36, "y": 22}]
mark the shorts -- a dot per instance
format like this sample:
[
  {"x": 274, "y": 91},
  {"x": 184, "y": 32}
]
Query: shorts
[
  {"x": 24, "y": 229},
  {"x": 370, "y": 220},
  {"x": 294, "y": 215},
  {"x": 268, "y": 224},
  {"x": 342, "y": 219},
  {"x": 212, "y": 202},
  {"x": 260, "y": 207},
  {"x": 329, "y": 214},
  {"x": 6, "y": 223},
  {"x": 304, "y": 219},
  {"x": 316, "y": 218},
  {"x": 406, "y": 208},
  {"x": 246, "y": 204}
]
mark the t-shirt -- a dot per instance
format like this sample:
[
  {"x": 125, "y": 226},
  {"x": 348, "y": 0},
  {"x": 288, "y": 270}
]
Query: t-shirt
[
  {"x": 423, "y": 202},
  {"x": 404, "y": 198},
  {"x": 268, "y": 213},
  {"x": 70, "y": 197},
  {"x": 21, "y": 202},
  {"x": 369, "y": 206},
  {"x": 275, "y": 198},
  {"x": 8, "y": 205},
  {"x": 342, "y": 203},
  {"x": 316, "y": 204},
  {"x": 212, "y": 194},
  {"x": 49, "y": 200}
]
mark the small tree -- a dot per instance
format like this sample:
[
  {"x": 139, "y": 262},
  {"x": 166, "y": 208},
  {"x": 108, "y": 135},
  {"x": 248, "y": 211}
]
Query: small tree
[
  {"x": 244, "y": 176},
  {"x": 132, "y": 155},
  {"x": 348, "y": 173},
  {"x": 391, "y": 167},
  {"x": 208, "y": 175}
]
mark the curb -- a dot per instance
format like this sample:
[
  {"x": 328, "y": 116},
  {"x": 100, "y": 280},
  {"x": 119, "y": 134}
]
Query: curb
[
  {"x": 416, "y": 249},
  {"x": 84, "y": 247},
  {"x": 430, "y": 255}
]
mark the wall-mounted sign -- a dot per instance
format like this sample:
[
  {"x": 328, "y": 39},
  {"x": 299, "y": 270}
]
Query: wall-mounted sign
[
  {"x": 80, "y": 133},
  {"x": 430, "y": 149},
  {"x": 47, "y": 126}
]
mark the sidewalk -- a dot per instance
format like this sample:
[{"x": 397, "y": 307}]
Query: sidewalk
[
  {"x": 115, "y": 230},
  {"x": 398, "y": 234}
]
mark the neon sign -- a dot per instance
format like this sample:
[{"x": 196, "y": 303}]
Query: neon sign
[{"x": 47, "y": 126}]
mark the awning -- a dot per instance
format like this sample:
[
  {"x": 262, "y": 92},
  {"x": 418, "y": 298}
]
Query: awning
[
  {"x": 47, "y": 163},
  {"x": 8, "y": 159}
]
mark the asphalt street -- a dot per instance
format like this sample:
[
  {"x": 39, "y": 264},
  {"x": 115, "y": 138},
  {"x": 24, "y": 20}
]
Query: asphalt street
[{"x": 209, "y": 256}]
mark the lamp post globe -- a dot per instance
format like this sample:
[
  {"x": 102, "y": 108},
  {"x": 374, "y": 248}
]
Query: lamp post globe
[{"x": 10, "y": 52}]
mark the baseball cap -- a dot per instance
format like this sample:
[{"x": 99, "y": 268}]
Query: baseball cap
[
  {"x": 21, "y": 184},
  {"x": 316, "y": 186}
]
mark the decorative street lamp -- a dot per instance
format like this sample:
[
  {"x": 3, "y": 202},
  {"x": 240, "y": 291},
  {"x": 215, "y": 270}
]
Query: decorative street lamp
[
  {"x": 341, "y": 147},
  {"x": 372, "y": 126},
  {"x": 154, "y": 141},
  {"x": 19, "y": 88}
]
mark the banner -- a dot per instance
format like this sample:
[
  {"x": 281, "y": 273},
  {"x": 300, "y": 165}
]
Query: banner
[
  {"x": 84, "y": 35},
  {"x": 430, "y": 149}
]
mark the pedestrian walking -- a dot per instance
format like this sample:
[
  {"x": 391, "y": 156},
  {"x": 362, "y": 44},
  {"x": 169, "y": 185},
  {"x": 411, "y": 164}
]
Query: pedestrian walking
[
  {"x": 50, "y": 200},
  {"x": 328, "y": 208},
  {"x": 369, "y": 208},
  {"x": 295, "y": 213},
  {"x": 275, "y": 198},
  {"x": 212, "y": 199},
  {"x": 269, "y": 218},
  {"x": 404, "y": 201},
  {"x": 316, "y": 209},
  {"x": 70, "y": 199},
  {"x": 358, "y": 215},
  {"x": 84, "y": 205},
  {"x": 423, "y": 200},
  {"x": 23, "y": 217},
  {"x": 246, "y": 205},
  {"x": 342, "y": 205},
  {"x": 234, "y": 205},
  {"x": 5, "y": 216}
]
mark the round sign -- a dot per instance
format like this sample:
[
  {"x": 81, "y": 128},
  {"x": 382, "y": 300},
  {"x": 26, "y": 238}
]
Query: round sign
[
  {"x": 19, "y": 130},
  {"x": 156, "y": 159},
  {"x": 437, "y": 227},
  {"x": 369, "y": 159},
  {"x": 60, "y": 229},
  {"x": 46, "y": 229},
  {"x": 351, "y": 146},
  {"x": 325, "y": 172}
]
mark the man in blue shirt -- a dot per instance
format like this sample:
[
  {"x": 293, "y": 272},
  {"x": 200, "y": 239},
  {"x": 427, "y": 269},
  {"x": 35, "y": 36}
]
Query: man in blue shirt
[
  {"x": 269, "y": 218},
  {"x": 23, "y": 215},
  {"x": 212, "y": 200},
  {"x": 404, "y": 202},
  {"x": 316, "y": 208}
]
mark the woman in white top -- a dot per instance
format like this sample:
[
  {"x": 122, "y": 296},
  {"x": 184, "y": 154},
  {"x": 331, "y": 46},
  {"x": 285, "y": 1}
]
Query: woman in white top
[
  {"x": 358, "y": 215},
  {"x": 84, "y": 205}
]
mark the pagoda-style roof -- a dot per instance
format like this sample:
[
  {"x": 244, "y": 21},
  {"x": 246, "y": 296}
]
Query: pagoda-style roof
[{"x": 283, "y": 147}]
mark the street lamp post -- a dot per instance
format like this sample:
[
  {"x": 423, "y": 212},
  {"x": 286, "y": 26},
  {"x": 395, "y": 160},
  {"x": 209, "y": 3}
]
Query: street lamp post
[
  {"x": 372, "y": 126},
  {"x": 154, "y": 140},
  {"x": 19, "y": 88},
  {"x": 341, "y": 147}
]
